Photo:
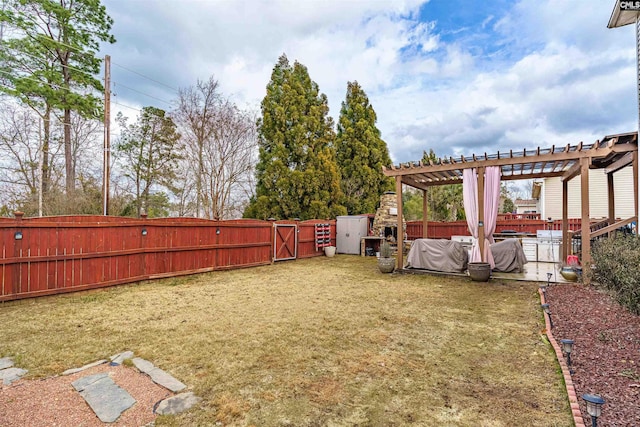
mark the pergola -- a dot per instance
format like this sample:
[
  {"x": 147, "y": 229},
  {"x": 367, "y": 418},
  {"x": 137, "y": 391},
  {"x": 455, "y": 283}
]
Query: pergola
[{"x": 612, "y": 153}]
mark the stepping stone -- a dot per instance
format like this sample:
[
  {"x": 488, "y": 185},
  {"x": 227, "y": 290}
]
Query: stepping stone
[
  {"x": 82, "y": 368},
  {"x": 159, "y": 376},
  {"x": 9, "y": 375},
  {"x": 105, "y": 397},
  {"x": 117, "y": 359},
  {"x": 6, "y": 362},
  {"x": 82, "y": 383},
  {"x": 143, "y": 365},
  {"x": 176, "y": 404},
  {"x": 166, "y": 380}
]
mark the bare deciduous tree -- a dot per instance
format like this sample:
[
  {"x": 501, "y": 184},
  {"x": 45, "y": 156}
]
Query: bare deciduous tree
[
  {"x": 221, "y": 145},
  {"x": 21, "y": 158},
  {"x": 229, "y": 158},
  {"x": 23, "y": 151}
]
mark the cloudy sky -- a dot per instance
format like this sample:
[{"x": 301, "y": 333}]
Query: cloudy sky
[{"x": 461, "y": 77}]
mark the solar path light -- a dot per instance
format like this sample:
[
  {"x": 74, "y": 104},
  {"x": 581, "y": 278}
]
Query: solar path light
[
  {"x": 594, "y": 407},
  {"x": 567, "y": 347},
  {"x": 545, "y": 308}
]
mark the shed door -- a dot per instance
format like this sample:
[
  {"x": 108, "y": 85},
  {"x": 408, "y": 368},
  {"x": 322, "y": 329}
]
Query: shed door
[
  {"x": 285, "y": 245},
  {"x": 349, "y": 231}
]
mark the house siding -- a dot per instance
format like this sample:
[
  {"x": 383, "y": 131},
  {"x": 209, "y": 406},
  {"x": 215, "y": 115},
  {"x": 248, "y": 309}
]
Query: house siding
[{"x": 598, "y": 196}]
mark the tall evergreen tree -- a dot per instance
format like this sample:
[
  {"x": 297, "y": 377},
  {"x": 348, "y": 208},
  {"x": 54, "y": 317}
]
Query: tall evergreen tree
[
  {"x": 296, "y": 174},
  {"x": 48, "y": 57},
  {"x": 445, "y": 201},
  {"x": 149, "y": 151},
  {"x": 361, "y": 153}
]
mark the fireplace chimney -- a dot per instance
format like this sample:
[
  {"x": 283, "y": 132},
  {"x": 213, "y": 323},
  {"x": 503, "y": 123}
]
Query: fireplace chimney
[{"x": 385, "y": 223}]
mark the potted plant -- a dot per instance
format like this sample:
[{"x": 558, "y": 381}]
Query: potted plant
[
  {"x": 479, "y": 271},
  {"x": 568, "y": 272},
  {"x": 386, "y": 263}
]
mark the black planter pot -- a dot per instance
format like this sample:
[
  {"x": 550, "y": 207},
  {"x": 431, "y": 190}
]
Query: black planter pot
[{"x": 479, "y": 271}]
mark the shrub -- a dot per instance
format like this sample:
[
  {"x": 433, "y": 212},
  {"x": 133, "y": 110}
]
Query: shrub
[
  {"x": 385, "y": 250},
  {"x": 617, "y": 269}
]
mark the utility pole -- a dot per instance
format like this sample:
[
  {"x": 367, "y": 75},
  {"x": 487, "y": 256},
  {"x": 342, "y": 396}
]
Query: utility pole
[
  {"x": 107, "y": 134},
  {"x": 40, "y": 164}
]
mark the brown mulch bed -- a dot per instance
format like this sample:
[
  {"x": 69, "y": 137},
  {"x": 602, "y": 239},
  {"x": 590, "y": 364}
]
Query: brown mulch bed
[{"x": 606, "y": 353}]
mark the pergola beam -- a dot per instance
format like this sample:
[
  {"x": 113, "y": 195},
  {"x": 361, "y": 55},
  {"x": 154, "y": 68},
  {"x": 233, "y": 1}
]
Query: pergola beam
[
  {"x": 572, "y": 172},
  {"x": 564, "y": 155},
  {"x": 619, "y": 164},
  {"x": 613, "y": 153}
]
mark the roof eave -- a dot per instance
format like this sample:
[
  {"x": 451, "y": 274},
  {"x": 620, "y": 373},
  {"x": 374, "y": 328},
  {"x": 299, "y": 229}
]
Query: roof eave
[{"x": 620, "y": 18}]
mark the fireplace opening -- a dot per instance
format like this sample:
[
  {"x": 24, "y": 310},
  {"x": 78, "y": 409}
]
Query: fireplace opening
[{"x": 391, "y": 234}]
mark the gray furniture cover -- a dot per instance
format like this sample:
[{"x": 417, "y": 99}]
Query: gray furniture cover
[
  {"x": 439, "y": 255},
  {"x": 509, "y": 256}
]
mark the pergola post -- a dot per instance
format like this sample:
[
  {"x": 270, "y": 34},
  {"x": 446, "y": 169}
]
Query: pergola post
[
  {"x": 611, "y": 211},
  {"x": 425, "y": 205},
  {"x": 586, "y": 224},
  {"x": 400, "y": 229},
  {"x": 634, "y": 166},
  {"x": 481, "y": 212},
  {"x": 565, "y": 220}
]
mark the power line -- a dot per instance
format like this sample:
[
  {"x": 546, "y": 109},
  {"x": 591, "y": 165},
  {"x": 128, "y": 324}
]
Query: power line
[
  {"x": 53, "y": 85},
  {"x": 59, "y": 121},
  {"x": 121, "y": 66},
  {"x": 146, "y": 77},
  {"x": 58, "y": 42},
  {"x": 62, "y": 65},
  {"x": 115, "y": 84},
  {"x": 127, "y": 106}
]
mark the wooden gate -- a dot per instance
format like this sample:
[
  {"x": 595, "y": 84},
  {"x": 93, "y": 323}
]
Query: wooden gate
[{"x": 285, "y": 242}]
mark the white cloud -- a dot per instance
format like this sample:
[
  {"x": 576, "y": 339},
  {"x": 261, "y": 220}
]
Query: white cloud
[{"x": 544, "y": 72}]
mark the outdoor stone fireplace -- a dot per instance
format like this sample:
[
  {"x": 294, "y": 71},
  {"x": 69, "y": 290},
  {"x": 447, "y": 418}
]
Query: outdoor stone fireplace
[{"x": 385, "y": 223}]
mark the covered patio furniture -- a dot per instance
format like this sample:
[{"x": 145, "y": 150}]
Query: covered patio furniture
[
  {"x": 439, "y": 255},
  {"x": 508, "y": 255}
]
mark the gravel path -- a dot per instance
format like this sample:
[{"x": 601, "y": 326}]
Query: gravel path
[
  {"x": 606, "y": 353},
  {"x": 54, "y": 402}
]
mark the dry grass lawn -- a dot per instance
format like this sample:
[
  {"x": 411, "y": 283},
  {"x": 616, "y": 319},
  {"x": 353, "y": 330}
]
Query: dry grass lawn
[{"x": 317, "y": 342}]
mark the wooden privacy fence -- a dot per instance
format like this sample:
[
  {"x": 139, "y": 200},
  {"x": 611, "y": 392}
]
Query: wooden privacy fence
[
  {"x": 444, "y": 230},
  {"x": 51, "y": 255}
]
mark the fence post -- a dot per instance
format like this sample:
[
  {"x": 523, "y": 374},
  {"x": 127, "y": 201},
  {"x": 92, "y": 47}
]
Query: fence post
[
  {"x": 17, "y": 254},
  {"x": 218, "y": 249},
  {"x": 273, "y": 239},
  {"x": 143, "y": 242}
]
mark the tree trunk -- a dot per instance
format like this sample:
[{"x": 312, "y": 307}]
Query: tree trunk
[
  {"x": 68, "y": 154},
  {"x": 45, "y": 152},
  {"x": 199, "y": 193},
  {"x": 138, "y": 198}
]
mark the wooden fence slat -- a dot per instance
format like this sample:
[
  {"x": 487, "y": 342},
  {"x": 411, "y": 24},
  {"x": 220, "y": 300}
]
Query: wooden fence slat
[
  {"x": 444, "y": 230},
  {"x": 71, "y": 253}
]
